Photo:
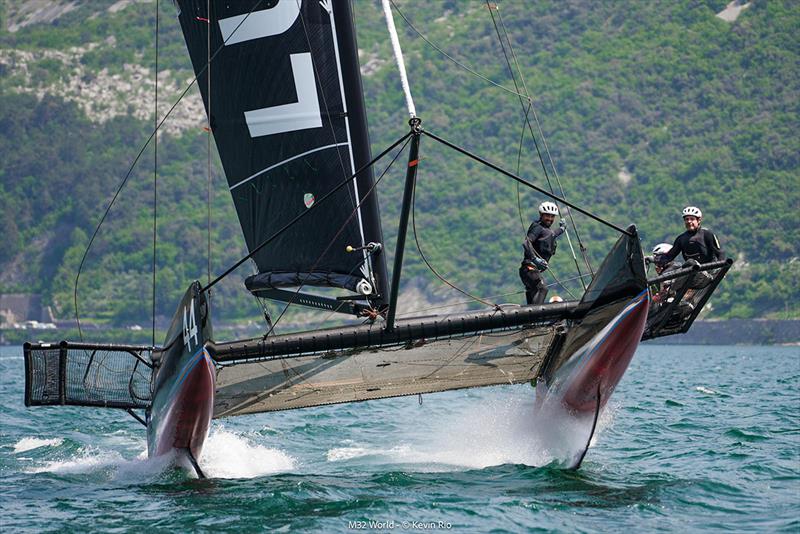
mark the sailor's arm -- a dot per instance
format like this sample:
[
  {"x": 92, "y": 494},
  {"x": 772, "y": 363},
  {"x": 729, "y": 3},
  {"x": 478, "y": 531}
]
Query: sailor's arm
[
  {"x": 712, "y": 244},
  {"x": 674, "y": 251}
]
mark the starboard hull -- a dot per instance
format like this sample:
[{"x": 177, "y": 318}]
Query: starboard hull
[
  {"x": 184, "y": 381},
  {"x": 182, "y": 420},
  {"x": 597, "y": 366}
]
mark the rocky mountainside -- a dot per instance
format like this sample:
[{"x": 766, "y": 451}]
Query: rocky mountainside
[{"x": 644, "y": 109}]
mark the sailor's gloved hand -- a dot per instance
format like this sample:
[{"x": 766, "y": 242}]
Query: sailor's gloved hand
[
  {"x": 540, "y": 263},
  {"x": 562, "y": 224},
  {"x": 649, "y": 259}
]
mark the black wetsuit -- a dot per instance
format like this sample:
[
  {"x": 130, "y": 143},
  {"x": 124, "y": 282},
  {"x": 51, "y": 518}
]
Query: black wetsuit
[
  {"x": 701, "y": 246},
  {"x": 539, "y": 243}
]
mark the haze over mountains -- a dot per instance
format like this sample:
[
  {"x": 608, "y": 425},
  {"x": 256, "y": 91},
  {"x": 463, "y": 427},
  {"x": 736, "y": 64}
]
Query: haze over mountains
[{"x": 645, "y": 109}]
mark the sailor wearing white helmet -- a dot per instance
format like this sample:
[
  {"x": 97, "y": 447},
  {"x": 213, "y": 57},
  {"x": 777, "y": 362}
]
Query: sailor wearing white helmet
[
  {"x": 538, "y": 247},
  {"x": 696, "y": 243},
  {"x": 658, "y": 257}
]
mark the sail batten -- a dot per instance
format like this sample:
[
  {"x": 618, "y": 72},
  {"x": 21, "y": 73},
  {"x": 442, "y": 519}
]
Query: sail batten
[{"x": 289, "y": 123}]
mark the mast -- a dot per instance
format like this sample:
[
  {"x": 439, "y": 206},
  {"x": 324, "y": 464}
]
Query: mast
[
  {"x": 344, "y": 22},
  {"x": 411, "y": 180}
]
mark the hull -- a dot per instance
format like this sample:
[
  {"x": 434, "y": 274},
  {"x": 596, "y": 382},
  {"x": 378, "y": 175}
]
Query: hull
[
  {"x": 600, "y": 343},
  {"x": 183, "y": 382},
  {"x": 597, "y": 366},
  {"x": 182, "y": 417}
]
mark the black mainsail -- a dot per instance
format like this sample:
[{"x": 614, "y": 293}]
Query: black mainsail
[{"x": 287, "y": 113}]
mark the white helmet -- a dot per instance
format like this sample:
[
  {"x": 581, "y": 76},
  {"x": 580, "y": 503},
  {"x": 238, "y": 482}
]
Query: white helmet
[
  {"x": 661, "y": 248},
  {"x": 694, "y": 212},
  {"x": 548, "y": 207}
]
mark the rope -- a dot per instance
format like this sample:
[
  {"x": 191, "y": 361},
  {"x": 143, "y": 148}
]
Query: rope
[
  {"x": 338, "y": 232},
  {"x": 136, "y": 160},
  {"x": 526, "y": 111},
  {"x": 546, "y": 148},
  {"x": 445, "y": 54},
  {"x": 155, "y": 182},
  {"x": 424, "y": 259}
]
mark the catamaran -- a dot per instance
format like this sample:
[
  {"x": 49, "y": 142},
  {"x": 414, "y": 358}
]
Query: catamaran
[{"x": 282, "y": 91}]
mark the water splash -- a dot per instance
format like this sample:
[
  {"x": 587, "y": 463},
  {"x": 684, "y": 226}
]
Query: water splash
[
  {"x": 225, "y": 455},
  {"x": 27, "y": 444},
  {"x": 231, "y": 455},
  {"x": 504, "y": 429},
  {"x": 85, "y": 460}
]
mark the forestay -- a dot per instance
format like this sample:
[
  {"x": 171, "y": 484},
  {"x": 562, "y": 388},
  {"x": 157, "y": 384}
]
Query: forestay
[{"x": 287, "y": 113}]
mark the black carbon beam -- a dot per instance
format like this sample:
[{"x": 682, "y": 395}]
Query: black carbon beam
[
  {"x": 374, "y": 335},
  {"x": 411, "y": 178}
]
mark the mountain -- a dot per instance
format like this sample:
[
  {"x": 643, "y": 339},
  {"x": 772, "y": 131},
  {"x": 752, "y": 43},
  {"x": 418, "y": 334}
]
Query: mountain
[{"x": 645, "y": 108}]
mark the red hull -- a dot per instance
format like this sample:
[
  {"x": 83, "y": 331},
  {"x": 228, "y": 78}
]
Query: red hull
[
  {"x": 184, "y": 423},
  {"x": 603, "y": 360}
]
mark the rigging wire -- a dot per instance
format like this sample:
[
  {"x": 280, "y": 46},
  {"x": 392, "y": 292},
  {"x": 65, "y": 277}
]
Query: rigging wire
[
  {"x": 532, "y": 108},
  {"x": 425, "y": 259},
  {"x": 493, "y": 297},
  {"x": 155, "y": 179},
  {"x": 338, "y": 232},
  {"x": 289, "y": 224},
  {"x": 525, "y": 182},
  {"x": 522, "y": 221},
  {"x": 448, "y": 56},
  {"x": 136, "y": 160},
  {"x": 208, "y": 145},
  {"x": 493, "y": 7}
]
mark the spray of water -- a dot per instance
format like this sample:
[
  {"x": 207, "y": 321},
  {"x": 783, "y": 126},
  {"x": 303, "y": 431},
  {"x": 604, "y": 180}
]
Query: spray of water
[
  {"x": 501, "y": 430},
  {"x": 226, "y": 455},
  {"x": 28, "y": 443},
  {"x": 230, "y": 455}
]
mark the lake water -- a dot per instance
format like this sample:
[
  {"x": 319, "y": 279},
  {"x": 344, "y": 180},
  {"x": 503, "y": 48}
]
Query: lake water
[{"x": 694, "y": 439}]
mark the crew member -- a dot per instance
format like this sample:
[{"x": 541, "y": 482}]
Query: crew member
[
  {"x": 661, "y": 292},
  {"x": 539, "y": 246},
  {"x": 696, "y": 243}
]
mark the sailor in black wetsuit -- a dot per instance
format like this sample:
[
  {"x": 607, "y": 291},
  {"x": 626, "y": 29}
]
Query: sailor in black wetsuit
[
  {"x": 539, "y": 246},
  {"x": 696, "y": 243}
]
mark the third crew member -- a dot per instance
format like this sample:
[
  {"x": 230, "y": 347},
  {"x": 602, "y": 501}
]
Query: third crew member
[{"x": 539, "y": 246}]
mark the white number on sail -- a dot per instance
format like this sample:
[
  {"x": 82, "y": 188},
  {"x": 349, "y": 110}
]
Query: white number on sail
[
  {"x": 299, "y": 115},
  {"x": 189, "y": 328}
]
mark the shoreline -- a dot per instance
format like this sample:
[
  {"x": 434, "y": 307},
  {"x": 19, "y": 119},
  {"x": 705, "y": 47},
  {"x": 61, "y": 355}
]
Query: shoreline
[
  {"x": 718, "y": 332},
  {"x": 784, "y": 332}
]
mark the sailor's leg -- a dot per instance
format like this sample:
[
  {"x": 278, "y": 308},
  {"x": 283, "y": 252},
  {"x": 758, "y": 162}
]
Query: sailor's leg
[
  {"x": 541, "y": 289},
  {"x": 530, "y": 283}
]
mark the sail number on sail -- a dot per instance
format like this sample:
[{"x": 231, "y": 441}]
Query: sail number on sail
[{"x": 300, "y": 115}]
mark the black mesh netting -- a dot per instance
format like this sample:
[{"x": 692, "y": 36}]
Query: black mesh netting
[{"x": 87, "y": 375}]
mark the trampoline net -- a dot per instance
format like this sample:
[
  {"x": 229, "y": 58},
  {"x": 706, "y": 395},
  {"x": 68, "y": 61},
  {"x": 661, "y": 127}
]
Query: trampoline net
[{"x": 110, "y": 376}]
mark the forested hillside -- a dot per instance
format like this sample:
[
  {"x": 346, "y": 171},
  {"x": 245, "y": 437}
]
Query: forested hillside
[{"x": 645, "y": 108}]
